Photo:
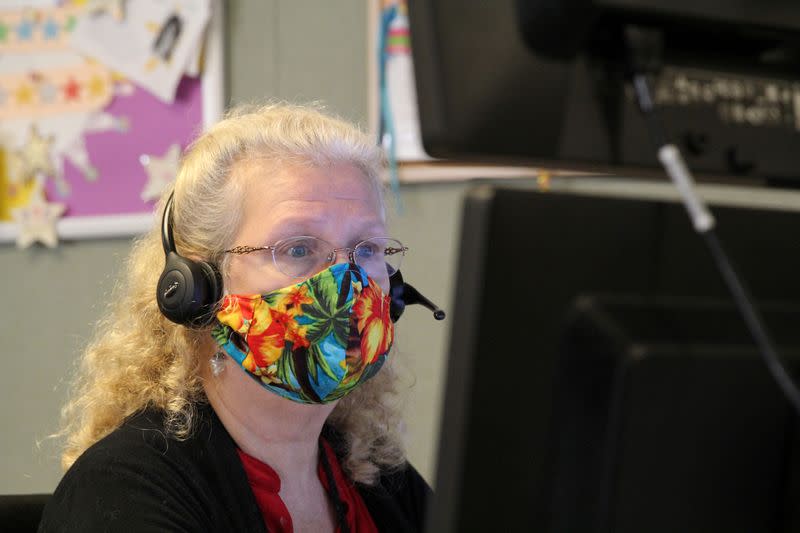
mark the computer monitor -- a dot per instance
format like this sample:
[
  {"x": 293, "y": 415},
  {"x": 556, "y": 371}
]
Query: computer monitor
[
  {"x": 666, "y": 419},
  {"x": 727, "y": 83},
  {"x": 599, "y": 378}
]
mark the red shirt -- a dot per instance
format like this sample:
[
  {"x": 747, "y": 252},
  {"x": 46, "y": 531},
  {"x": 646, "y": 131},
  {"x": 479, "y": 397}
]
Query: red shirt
[{"x": 266, "y": 486}]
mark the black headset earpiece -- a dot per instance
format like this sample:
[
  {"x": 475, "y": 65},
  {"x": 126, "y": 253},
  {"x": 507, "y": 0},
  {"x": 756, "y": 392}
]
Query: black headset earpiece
[
  {"x": 396, "y": 290},
  {"x": 187, "y": 290},
  {"x": 403, "y": 294}
]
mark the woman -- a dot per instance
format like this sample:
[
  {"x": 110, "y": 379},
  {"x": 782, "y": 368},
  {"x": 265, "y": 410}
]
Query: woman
[{"x": 269, "y": 408}]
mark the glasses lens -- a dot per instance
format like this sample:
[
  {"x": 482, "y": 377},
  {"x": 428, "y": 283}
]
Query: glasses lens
[
  {"x": 379, "y": 256},
  {"x": 299, "y": 256}
]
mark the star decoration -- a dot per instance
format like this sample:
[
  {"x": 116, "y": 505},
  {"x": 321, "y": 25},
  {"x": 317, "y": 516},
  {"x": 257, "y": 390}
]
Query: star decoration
[
  {"x": 97, "y": 87},
  {"x": 115, "y": 7},
  {"x": 36, "y": 154},
  {"x": 47, "y": 92},
  {"x": 25, "y": 30},
  {"x": 72, "y": 90},
  {"x": 24, "y": 94},
  {"x": 37, "y": 222},
  {"x": 160, "y": 172},
  {"x": 50, "y": 29}
]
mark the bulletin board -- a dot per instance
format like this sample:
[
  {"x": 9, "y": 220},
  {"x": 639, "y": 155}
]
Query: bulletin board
[{"x": 98, "y": 98}]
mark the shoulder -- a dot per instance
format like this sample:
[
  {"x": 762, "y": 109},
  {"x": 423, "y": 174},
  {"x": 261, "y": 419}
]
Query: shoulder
[
  {"x": 141, "y": 444},
  {"x": 136, "y": 478}
]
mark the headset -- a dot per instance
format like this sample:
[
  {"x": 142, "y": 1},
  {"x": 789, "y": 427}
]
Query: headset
[{"x": 188, "y": 291}]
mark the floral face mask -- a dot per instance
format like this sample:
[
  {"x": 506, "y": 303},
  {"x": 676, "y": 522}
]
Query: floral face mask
[{"x": 312, "y": 342}]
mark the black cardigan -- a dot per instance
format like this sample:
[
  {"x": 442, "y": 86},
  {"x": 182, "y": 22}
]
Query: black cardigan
[{"x": 139, "y": 479}]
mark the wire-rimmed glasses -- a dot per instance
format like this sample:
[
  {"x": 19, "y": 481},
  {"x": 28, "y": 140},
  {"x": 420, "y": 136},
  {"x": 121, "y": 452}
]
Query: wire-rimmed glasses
[{"x": 301, "y": 256}]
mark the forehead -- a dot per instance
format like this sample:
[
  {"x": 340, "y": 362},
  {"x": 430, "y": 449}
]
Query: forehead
[{"x": 329, "y": 196}]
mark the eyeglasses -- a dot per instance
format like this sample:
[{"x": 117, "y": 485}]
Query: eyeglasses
[{"x": 299, "y": 257}]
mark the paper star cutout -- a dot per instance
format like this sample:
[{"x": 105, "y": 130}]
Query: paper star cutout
[
  {"x": 37, "y": 222},
  {"x": 160, "y": 172},
  {"x": 36, "y": 153},
  {"x": 115, "y": 7}
]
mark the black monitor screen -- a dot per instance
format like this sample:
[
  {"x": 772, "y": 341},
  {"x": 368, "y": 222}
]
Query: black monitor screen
[{"x": 599, "y": 378}]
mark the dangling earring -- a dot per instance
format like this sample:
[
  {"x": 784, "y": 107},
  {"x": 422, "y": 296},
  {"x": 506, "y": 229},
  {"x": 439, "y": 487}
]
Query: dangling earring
[{"x": 217, "y": 363}]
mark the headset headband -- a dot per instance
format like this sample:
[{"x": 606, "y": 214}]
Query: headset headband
[{"x": 167, "y": 238}]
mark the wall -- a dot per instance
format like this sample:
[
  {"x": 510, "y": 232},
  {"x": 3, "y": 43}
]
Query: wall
[
  {"x": 299, "y": 50},
  {"x": 51, "y": 298}
]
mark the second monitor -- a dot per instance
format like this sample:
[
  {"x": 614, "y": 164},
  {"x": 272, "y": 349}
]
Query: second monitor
[{"x": 565, "y": 418}]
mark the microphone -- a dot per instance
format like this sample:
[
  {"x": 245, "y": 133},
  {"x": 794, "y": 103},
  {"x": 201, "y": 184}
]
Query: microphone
[
  {"x": 403, "y": 294},
  {"x": 413, "y": 296}
]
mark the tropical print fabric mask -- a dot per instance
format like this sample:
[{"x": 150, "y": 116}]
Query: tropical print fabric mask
[{"x": 312, "y": 342}]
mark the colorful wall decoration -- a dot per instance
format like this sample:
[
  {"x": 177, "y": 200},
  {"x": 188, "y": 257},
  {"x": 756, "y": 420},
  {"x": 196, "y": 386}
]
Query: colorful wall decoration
[{"x": 97, "y": 100}]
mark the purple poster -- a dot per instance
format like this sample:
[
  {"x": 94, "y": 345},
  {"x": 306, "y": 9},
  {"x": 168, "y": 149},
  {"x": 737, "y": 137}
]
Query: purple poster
[{"x": 150, "y": 128}]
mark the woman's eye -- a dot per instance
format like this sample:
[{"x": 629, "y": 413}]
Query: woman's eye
[
  {"x": 366, "y": 251},
  {"x": 299, "y": 251}
]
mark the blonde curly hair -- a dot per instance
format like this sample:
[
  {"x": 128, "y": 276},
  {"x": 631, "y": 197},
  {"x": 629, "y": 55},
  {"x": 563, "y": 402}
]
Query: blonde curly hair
[{"x": 139, "y": 359}]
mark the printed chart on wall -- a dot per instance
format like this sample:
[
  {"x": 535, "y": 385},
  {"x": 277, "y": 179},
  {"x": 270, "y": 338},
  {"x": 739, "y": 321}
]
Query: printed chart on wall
[{"x": 98, "y": 98}]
